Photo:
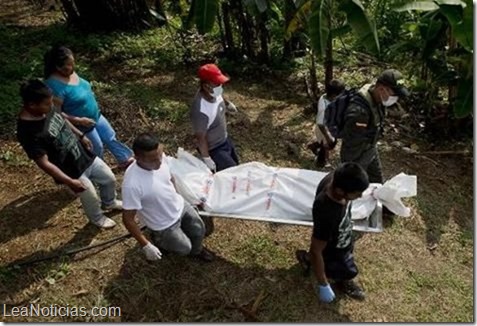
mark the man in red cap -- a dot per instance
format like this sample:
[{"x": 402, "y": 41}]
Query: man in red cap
[{"x": 208, "y": 120}]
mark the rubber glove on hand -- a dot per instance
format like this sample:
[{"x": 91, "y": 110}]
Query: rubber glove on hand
[
  {"x": 231, "y": 108},
  {"x": 152, "y": 252},
  {"x": 210, "y": 163},
  {"x": 325, "y": 293}
]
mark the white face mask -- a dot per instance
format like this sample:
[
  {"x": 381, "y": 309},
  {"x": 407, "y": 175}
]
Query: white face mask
[
  {"x": 390, "y": 101},
  {"x": 217, "y": 91}
]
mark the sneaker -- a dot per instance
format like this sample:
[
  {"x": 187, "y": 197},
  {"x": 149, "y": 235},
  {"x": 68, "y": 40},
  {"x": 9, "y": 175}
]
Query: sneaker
[
  {"x": 117, "y": 205},
  {"x": 105, "y": 223},
  {"x": 303, "y": 258},
  {"x": 205, "y": 255},
  {"x": 351, "y": 289}
]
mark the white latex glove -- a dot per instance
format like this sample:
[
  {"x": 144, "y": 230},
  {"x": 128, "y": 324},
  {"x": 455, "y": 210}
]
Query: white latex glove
[
  {"x": 325, "y": 293},
  {"x": 152, "y": 252},
  {"x": 231, "y": 108},
  {"x": 210, "y": 163}
]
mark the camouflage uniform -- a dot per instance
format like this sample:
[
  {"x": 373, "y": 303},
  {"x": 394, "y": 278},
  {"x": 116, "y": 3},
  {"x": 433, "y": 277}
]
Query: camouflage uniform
[{"x": 362, "y": 128}]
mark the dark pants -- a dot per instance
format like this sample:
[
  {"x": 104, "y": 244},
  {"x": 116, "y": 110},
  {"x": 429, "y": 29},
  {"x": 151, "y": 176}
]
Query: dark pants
[
  {"x": 374, "y": 169},
  {"x": 369, "y": 161},
  {"x": 340, "y": 266},
  {"x": 224, "y": 155}
]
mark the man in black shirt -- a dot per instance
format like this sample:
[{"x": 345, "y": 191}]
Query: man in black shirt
[
  {"x": 331, "y": 250},
  {"x": 63, "y": 152}
]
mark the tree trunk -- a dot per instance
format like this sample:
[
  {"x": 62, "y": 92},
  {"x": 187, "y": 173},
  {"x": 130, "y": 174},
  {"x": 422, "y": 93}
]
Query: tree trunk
[
  {"x": 229, "y": 38},
  {"x": 289, "y": 9},
  {"x": 69, "y": 10},
  {"x": 452, "y": 91},
  {"x": 245, "y": 31},
  {"x": 264, "y": 38},
  {"x": 107, "y": 14},
  {"x": 160, "y": 10},
  {"x": 328, "y": 64},
  {"x": 313, "y": 78}
]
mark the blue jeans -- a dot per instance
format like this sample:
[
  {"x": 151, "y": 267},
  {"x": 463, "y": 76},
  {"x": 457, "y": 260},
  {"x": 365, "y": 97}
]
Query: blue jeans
[
  {"x": 103, "y": 133},
  {"x": 224, "y": 155},
  {"x": 99, "y": 173}
]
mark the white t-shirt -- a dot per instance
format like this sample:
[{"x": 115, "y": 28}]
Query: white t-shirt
[
  {"x": 209, "y": 118},
  {"x": 322, "y": 104},
  {"x": 320, "y": 117},
  {"x": 153, "y": 195}
]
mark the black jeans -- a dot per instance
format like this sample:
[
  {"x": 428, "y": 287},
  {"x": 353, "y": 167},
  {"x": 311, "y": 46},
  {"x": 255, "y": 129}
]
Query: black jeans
[
  {"x": 224, "y": 155},
  {"x": 340, "y": 266}
]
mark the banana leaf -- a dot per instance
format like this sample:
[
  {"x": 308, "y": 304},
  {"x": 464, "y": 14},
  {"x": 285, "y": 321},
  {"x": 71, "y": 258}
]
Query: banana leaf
[{"x": 205, "y": 14}]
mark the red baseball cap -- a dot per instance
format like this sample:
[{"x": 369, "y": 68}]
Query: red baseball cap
[{"x": 211, "y": 73}]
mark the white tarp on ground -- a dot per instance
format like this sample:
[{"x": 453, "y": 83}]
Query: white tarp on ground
[{"x": 283, "y": 195}]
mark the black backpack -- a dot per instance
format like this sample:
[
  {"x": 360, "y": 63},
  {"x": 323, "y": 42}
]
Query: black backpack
[{"x": 335, "y": 111}]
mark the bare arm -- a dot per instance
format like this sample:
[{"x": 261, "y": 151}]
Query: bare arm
[
  {"x": 75, "y": 130},
  {"x": 330, "y": 140},
  {"x": 133, "y": 228},
  {"x": 58, "y": 104},
  {"x": 86, "y": 142},
  {"x": 202, "y": 144},
  {"x": 316, "y": 250},
  {"x": 51, "y": 169},
  {"x": 79, "y": 121}
]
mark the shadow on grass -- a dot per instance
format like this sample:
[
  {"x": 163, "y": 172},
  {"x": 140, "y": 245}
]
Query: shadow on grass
[
  {"x": 180, "y": 289},
  {"x": 444, "y": 192},
  {"x": 14, "y": 279},
  {"x": 31, "y": 212}
]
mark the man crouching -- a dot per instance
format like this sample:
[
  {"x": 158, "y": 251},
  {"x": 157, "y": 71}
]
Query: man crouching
[{"x": 149, "y": 190}]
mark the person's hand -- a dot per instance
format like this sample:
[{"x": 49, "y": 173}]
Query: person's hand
[
  {"x": 76, "y": 185},
  {"x": 332, "y": 145},
  {"x": 210, "y": 163},
  {"x": 86, "y": 122},
  {"x": 231, "y": 108},
  {"x": 152, "y": 252},
  {"x": 325, "y": 293},
  {"x": 87, "y": 143}
]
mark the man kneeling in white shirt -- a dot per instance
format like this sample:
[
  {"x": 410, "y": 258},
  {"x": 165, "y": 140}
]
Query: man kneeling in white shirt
[{"x": 149, "y": 191}]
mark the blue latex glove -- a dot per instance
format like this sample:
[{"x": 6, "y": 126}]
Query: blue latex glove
[{"x": 325, "y": 293}]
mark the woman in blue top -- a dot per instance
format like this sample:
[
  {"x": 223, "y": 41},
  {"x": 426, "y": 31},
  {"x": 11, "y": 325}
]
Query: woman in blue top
[{"x": 76, "y": 99}]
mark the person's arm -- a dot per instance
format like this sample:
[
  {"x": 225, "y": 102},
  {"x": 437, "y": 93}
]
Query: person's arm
[
  {"x": 81, "y": 136},
  {"x": 151, "y": 251},
  {"x": 229, "y": 106},
  {"x": 199, "y": 125},
  {"x": 132, "y": 227},
  {"x": 52, "y": 170},
  {"x": 79, "y": 121},
  {"x": 202, "y": 144},
  {"x": 322, "y": 232},
  {"x": 204, "y": 151},
  {"x": 316, "y": 257},
  {"x": 320, "y": 122},
  {"x": 322, "y": 228},
  {"x": 329, "y": 139}
]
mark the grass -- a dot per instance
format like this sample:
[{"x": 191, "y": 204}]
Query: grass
[{"x": 141, "y": 82}]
